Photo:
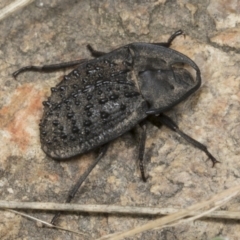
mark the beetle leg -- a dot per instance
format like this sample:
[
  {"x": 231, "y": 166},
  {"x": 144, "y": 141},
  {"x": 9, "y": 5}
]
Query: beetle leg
[
  {"x": 170, "y": 40},
  {"x": 94, "y": 52},
  {"x": 48, "y": 68},
  {"x": 142, "y": 149},
  {"x": 168, "y": 122},
  {"x": 80, "y": 181}
]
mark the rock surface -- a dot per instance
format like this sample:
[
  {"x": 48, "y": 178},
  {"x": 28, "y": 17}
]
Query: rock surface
[{"x": 179, "y": 175}]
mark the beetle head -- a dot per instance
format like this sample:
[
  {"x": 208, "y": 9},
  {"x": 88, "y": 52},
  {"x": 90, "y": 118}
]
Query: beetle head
[{"x": 163, "y": 89}]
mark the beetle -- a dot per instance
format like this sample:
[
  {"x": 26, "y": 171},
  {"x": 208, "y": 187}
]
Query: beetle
[{"x": 104, "y": 97}]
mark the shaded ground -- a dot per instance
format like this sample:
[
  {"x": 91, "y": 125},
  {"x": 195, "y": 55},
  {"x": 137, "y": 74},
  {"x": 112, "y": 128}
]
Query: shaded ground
[{"x": 179, "y": 175}]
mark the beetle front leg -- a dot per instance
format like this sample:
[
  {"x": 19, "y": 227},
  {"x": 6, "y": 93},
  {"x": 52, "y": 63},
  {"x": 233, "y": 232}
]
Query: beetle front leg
[
  {"x": 168, "y": 122},
  {"x": 170, "y": 40}
]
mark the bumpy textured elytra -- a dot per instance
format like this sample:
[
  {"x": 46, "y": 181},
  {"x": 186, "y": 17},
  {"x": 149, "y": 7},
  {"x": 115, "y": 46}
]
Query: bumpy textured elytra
[{"x": 105, "y": 97}]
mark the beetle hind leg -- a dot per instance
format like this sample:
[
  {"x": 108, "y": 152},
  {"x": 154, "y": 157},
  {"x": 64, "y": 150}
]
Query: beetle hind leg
[
  {"x": 80, "y": 181},
  {"x": 48, "y": 68},
  {"x": 168, "y": 122},
  {"x": 142, "y": 149},
  {"x": 94, "y": 52}
]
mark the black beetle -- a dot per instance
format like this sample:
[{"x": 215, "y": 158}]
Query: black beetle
[{"x": 103, "y": 98}]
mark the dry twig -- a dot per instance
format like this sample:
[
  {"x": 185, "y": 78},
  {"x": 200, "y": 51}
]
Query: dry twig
[{"x": 202, "y": 209}]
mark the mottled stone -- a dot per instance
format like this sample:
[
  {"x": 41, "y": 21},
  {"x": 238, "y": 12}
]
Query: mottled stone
[
  {"x": 229, "y": 37},
  {"x": 226, "y": 13},
  {"x": 179, "y": 175}
]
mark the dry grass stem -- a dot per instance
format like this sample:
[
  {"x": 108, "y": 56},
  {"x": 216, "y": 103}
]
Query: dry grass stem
[
  {"x": 174, "y": 216},
  {"x": 173, "y": 219},
  {"x": 12, "y": 7},
  {"x": 43, "y": 222},
  {"x": 151, "y": 211}
]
